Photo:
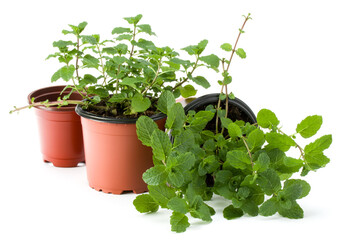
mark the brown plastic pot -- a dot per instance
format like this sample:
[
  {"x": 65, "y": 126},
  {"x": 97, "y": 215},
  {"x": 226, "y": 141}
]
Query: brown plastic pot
[
  {"x": 115, "y": 157},
  {"x": 60, "y": 128}
]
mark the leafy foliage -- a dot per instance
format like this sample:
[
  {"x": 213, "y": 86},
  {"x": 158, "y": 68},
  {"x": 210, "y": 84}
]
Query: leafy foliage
[
  {"x": 127, "y": 74},
  {"x": 248, "y": 166}
]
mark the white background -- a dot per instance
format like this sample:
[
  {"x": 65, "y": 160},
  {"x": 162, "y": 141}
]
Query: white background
[{"x": 293, "y": 67}]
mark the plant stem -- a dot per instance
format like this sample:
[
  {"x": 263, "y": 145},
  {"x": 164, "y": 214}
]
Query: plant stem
[
  {"x": 48, "y": 104},
  {"x": 186, "y": 79},
  {"x": 102, "y": 64},
  {"x": 247, "y": 147},
  {"x": 226, "y": 70},
  {"x": 155, "y": 78}
]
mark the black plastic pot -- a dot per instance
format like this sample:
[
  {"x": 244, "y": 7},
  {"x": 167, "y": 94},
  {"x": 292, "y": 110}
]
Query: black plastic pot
[{"x": 203, "y": 101}]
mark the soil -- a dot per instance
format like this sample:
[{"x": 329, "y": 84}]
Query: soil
[{"x": 117, "y": 110}]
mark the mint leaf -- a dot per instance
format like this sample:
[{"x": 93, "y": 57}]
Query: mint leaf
[
  {"x": 187, "y": 91},
  {"x": 255, "y": 139},
  {"x": 267, "y": 119},
  {"x": 262, "y": 163},
  {"x": 231, "y": 213},
  {"x": 146, "y": 28},
  {"x": 90, "y": 62},
  {"x": 318, "y": 145},
  {"x": 237, "y": 159},
  {"x": 234, "y": 130},
  {"x": 212, "y": 60},
  {"x": 309, "y": 126},
  {"x": 134, "y": 20},
  {"x": 179, "y": 222},
  {"x": 293, "y": 212},
  {"x": 145, "y": 127},
  {"x": 305, "y": 187},
  {"x": 269, "y": 207},
  {"x": 241, "y": 53},
  {"x": 178, "y": 205},
  {"x": 316, "y": 160},
  {"x": 156, "y": 175},
  {"x": 226, "y": 47},
  {"x": 176, "y": 117},
  {"x": 165, "y": 101},
  {"x": 200, "y": 80},
  {"x": 161, "y": 194},
  {"x": 120, "y": 30},
  {"x": 145, "y": 204},
  {"x": 269, "y": 181},
  {"x": 161, "y": 145},
  {"x": 139, "y": 103},
  {"x": 280, "y": 141}
]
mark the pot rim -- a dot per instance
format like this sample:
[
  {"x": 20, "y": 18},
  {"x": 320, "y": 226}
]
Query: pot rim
[
  {"x": 46, "y": 91},
  {"x": 213, "y": 97},
  {"x": 92, "y": 116}
]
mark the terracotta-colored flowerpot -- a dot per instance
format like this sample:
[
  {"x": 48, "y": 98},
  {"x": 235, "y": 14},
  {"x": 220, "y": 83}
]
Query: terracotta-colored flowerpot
[
  {"x": 60, "y": 128},
  {"x": 115, "y": 157}
]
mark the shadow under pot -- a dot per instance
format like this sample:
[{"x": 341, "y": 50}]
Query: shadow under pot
[
  {"x": 116, "y": 158},
  {"x": 59, "y": 128},
  {"x": 238, "y": 110}
]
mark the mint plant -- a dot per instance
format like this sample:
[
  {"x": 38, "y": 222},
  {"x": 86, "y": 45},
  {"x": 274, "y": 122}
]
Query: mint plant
[
  {"x": 124, "y": 76},
  {"x": 249, "y": 166},
  {"x": 246, "y": 163}
]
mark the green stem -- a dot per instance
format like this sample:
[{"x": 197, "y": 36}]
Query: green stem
[{"x": 186, "y": 79}]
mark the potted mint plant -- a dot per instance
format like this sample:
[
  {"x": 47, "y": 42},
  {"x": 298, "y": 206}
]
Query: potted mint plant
[
  {"x": 119, "y": 80},
  {"x": 246, "y": 161}
]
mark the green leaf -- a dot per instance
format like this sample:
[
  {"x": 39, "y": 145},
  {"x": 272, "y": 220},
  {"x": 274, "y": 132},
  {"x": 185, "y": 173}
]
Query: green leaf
[
  {"x": 316, "y": 160},
  {"x": 176, "y": 117},
  {"x": 309, "y": 126},
  {"x": 212, "y": 60},
  {"x": 262, "y": 163},
  {"x": 145, "y": 128},
  {"x": 319, "y": 145},
  {"x": 179, "y": 222},
  {"x": 134, "y": 20},
  {"x": 66, "y": 73},
  {"x": 201, "y": 81},
  {"x": 156, "y": 175},
  {"x": 267, "y": 119},
  {"x": 90, "y": 61},
  {"x": 146, "y": 28},
  {"x": 269, "y": 207},
  {"x": 120, "y": 30},
  {"x": 187, "y": 91},
  {"x": 231, "y": 213},
  {"x": 117, "y": 98},
  {"x": 237, "y": 159},
  {"x": 226, "y": 47},
  {"x": 241, "y": 53},
  {"x": 176, "y": 179},
  {"x": 161, "y": 194},
  {"x": 269, "y": 181},
  {"x": 139, "y": 103},
  {"x": 145, "y": 203},
  {"x": 256, "y": 139},
  {"x": 293, "y": 212},
  {"x": 165, "y": 101},
  {"x": 305, "y": 187},
  {"x": 161, "y": 145},
  {"x": 178, "y": 205},
  {"x": 280, "y": 141},
  {"x": 234, "y": 130}
]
